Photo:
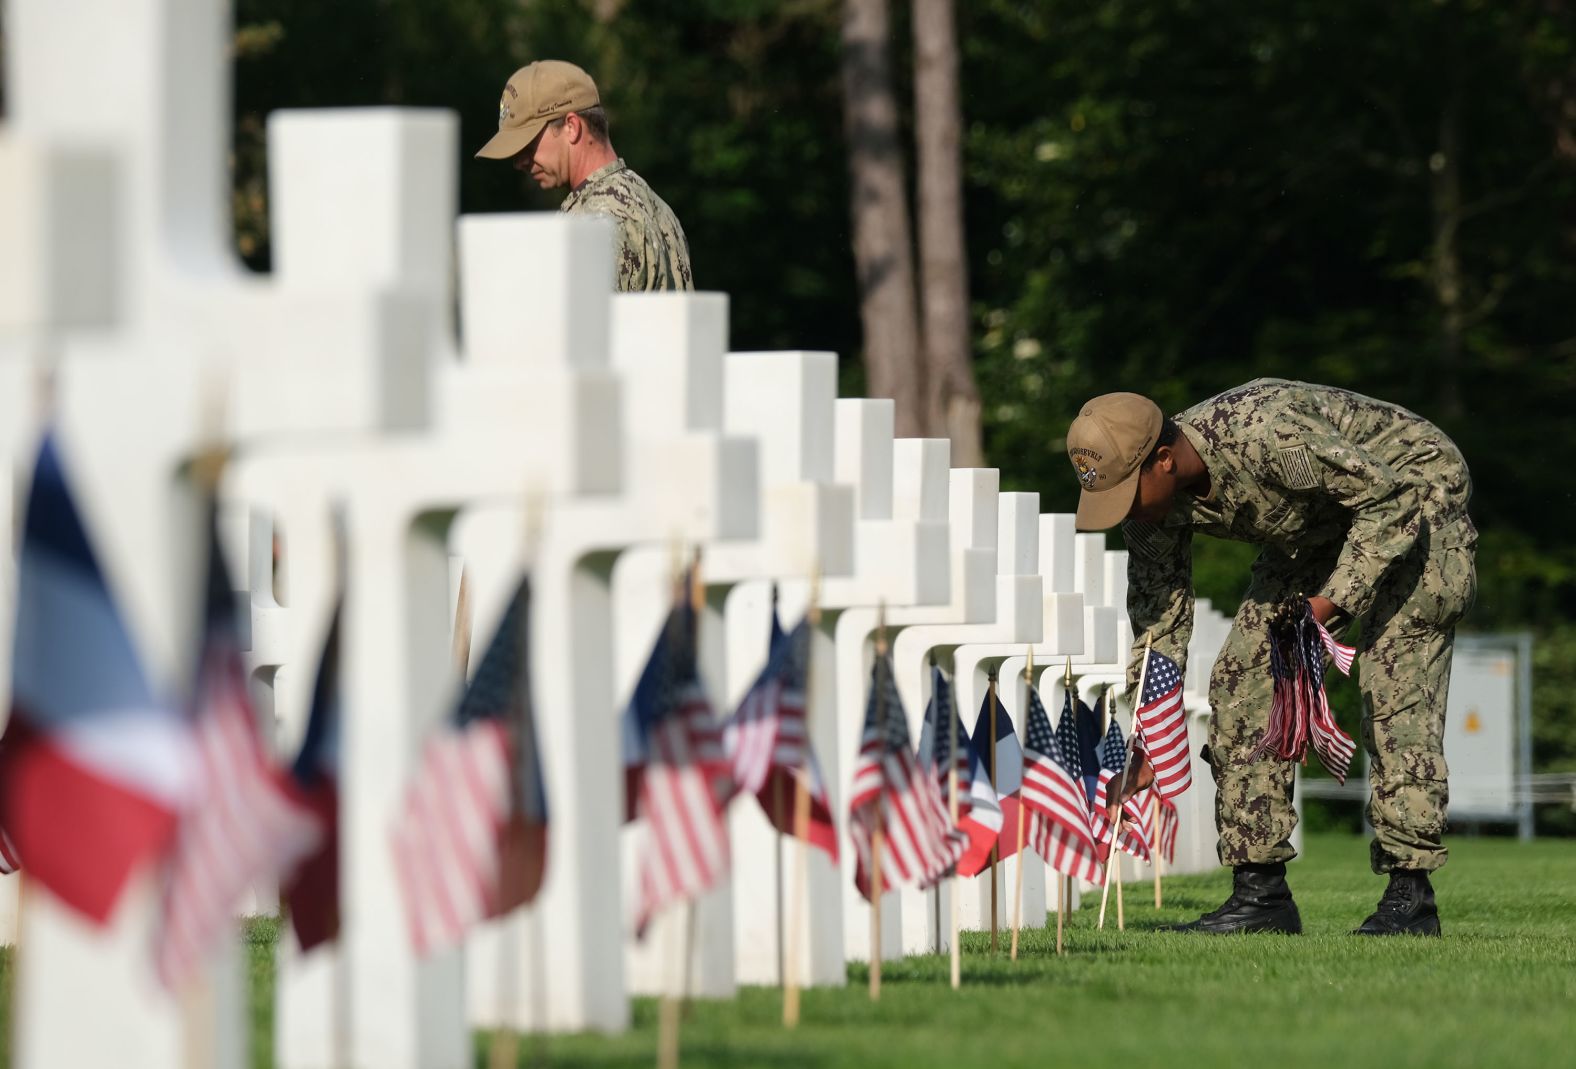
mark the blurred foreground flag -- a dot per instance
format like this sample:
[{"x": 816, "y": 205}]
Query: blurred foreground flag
[
  {"x": 244, "y": 825},
  {"x": 311, "y": 892},
  {"x": 93, "y": 768},
  {"x": 472, "y": 837}
]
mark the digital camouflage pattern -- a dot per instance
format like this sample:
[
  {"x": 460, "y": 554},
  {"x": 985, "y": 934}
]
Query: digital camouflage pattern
[
  {"x": 652, "y": 253},
  {"x": 1355, "y": 499}
]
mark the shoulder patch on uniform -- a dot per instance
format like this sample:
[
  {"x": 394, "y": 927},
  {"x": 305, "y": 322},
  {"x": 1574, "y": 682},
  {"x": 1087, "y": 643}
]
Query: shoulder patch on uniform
[
  {"x": 1296, "y": 466},
  {"x": 1144, "y": 539}
]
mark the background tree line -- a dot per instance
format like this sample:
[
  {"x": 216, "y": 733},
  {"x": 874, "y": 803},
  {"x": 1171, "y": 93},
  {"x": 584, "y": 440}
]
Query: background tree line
[{"x": 1169, "y": 196}]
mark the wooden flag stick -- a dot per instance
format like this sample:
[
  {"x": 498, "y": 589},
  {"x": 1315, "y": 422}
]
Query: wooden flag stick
[
  {"x": 503, "y": 1052},
  {"x": 1154, "y": 844},
  {"x": 1017, "y": 890},
  {"x": 1063, "y": 893},
  {"x": 697, "y": 604},
  {"x": 801, "y": 835},
  {"x": 877, "y": 838},
  {"x": 1121, "y": 921},
  {"x": 801, "y": 816},
  {"x": 875, "y": 911},
  {"x": 777, "y": 865},
  {"x": 955, "y": 951},
  {"x": 995, "y": 852},
  {"x": 1112, "y": 858},
  {"x": 462, "y": 625},
  {"x": 1064, "y": 897},
  {"x": 668, "y": 1017}
]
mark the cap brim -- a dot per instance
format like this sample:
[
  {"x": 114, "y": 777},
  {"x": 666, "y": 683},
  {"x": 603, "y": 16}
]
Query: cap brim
[
  {"x": 1100, "y": 510},
  {"x": 506, "y": 143}
]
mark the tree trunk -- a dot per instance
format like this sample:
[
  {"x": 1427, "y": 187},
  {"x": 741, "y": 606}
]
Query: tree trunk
[
  {"x": 883, "y": 252},
  {"x": 953, "y": 402},
  {"x": 1445, "y": 260}
]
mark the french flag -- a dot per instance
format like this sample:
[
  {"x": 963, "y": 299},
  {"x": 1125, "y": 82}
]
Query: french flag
[
  {"x": 93, "y": 768},
  {"x": 311, "y": 892},
  {"x": 993, "y": 815}
]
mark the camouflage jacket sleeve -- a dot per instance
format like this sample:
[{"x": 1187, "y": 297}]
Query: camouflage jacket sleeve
[
  {"x": 1386, "y": 510},
  {"x": 1159, "y": 591}
]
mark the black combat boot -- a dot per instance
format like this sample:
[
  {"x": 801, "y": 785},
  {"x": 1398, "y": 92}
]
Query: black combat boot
[
  {"x": 1260, "y": 902},
  {"x": 1407, "y": 907}
]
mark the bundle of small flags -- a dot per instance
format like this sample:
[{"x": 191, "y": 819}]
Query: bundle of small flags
[{"x": 1299, "y": 711}]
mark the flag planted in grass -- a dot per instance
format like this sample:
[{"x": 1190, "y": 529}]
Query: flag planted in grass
[
  {"x": 1162, "y": 723},
  {"x": 682, "y": 779},
  {"x": 244, "y": 825},
  {"x": 1133, "y": 835},
  {"x": 768, "y": 740},
  {"x": 1059, "y": 829},
  {"x": 94, "y": 769},
  {"x": 891, "y": 796},
  {"x": 996, "y": 777},
  {"x": 472, "y": 838},
  {"x": 1072, "y": 746},
  {"x": 1170, "y": 824},
  {"x": 944, "y": 742},
  {"x": 1299, "y": 709},
  {"x": 311, "y": 892}
]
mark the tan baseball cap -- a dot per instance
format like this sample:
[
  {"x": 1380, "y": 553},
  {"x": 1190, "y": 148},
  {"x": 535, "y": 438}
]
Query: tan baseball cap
[
  {"x": 1107, "y": 444},
  {"x": 533, "y": 97}
]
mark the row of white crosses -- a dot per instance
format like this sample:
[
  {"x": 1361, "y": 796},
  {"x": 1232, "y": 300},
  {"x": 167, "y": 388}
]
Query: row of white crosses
[{"x": 616, "y": 426}]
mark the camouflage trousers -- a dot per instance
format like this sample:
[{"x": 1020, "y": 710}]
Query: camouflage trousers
[{"x": 1403, "y": 660}]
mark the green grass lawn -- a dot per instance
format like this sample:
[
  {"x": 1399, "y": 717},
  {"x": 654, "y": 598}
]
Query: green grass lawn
[{"x": 1500, "y": 988}]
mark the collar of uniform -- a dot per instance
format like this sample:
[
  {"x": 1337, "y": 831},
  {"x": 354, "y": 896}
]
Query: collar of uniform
[{"x": 607, "y": 170}]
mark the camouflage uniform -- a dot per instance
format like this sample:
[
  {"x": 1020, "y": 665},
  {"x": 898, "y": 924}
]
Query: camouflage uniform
[
  {"x": 1364, "y": 503},
  {"x": 652, "y": 253}
]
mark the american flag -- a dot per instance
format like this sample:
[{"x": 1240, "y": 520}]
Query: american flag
[
  {"x": 1162, "y": 722},
  {"x": 472, "y": 837},
  {"x": 1299, "y": 708},
  {"x": 1071, "y": 729},
  {"x": 768, "y": 740},
  {"x": 890, "y": 793},
  {"x": 1334, "y": 747},
  {"x": 944, "y": 736},
  {"x": 244, "y": 826},
  {"x": 1170, "y": 823},
  {"x": 311, "y": 892},
  {"x": 1342, "y": 655},
  {"x": 1135, "y": 818},
  {"x": 1059, "y": 829},
  {"x": 681, "y": 773}
]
